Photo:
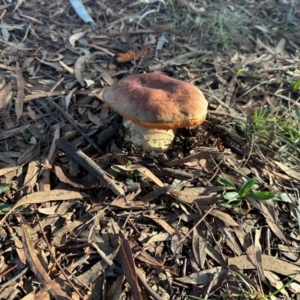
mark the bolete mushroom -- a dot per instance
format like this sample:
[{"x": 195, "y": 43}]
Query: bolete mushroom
[{"x": 153, "y": 105}]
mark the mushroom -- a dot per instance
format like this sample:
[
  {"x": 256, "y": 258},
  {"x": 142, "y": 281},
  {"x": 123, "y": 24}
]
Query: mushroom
[{"x": 153, "y": 105}]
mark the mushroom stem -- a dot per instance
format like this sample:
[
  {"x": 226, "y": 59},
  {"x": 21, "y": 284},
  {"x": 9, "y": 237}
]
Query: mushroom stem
[{"x": 149, "y": 139}]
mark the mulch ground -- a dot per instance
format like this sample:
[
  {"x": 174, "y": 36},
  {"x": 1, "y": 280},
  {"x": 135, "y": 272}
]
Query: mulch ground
[{"x": 87, "y": 215}]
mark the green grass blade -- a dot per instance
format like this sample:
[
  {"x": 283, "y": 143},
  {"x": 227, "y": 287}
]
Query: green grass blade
[
  {"x": 226, "y": 182},
  {"x": 260, "y": 196},
  {"x": 247, "y": 186}
]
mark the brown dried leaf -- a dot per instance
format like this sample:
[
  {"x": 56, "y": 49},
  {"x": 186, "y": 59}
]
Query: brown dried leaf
[
  {"x": 6, "y": 119},
  {"x": 114, "y": 291},
  {"x": 75, "y": 37},
  {"x": 288, "y": 170},
  {"x": 19, "y": 3},
  {"x": 258, "y": 253},
  {"x": 269, "y": 263},
  {"x": 267, "y": 209},
  {"x": 41, "y": 94},
  {"x": 29, "y": 154},
  {"x": 37, "y": 268},
  {"x": 20, "y": 250},
  {"x": 178, "y": 60},
  {"x": 21, "y": 93},
  {"x": 162, "y": 223},
  {"x": 32, "y": 114},
  {"x": 189, "y": 195},
  {"x": 203, "y": 277},
  {"x": 74, "y": 182},
  {"x": 214, "y": 254},
  {"x": 8, "y": 169},
  {"x": 66, "y": 67},
  {"x": 42, "y": 197},
  {"x": 5, "y": 158},
  {"x": 275, "y": 281},
  {"x": 80, "y": 62},
  {"x": 199, "y": 243},
  {"x": 226, "y": 218},
  {"x": 42, "y": 295},
  {"x": 142, "y": 170},
  {"x": 52, "y": 210},
  {"x": 203, "y": 154},
  {"x": 61, "y": 232},
  {"x": 4, "y": 134},
  {"x": 31, "y": 176},
  {"x": 51, "y": 154},
  {"x": 128, "y": 267},
  {"x": 230, "y": 239},
  {"x": 94, "y": 119},
  {"x": 149, "y": 260},
  {"x": 129, "y": 202},
  {"x": 32, "y": 296},
  {"x": 160, "y": 191},
  {"x": 4, "y": 94},
  {"x": 176, "y": 245},
  {"x": 68, "y": 98},
  {"x": 244, "y": 239},
  {"x": 160, "y": 237},
  {"x": 107, "y": 78},
  {"x": 55, "y": 65},
  {"x": 61, "y": 209},
  {"x": 294, "y": 287}
]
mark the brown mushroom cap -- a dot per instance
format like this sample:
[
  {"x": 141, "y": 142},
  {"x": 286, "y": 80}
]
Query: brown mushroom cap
[{"x": 155, "y": 100}]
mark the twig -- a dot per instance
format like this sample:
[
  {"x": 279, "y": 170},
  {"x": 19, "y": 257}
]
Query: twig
[
  {"x": 189, "y": 232},
  {"x": 147, "y": 287},
  {"x": 176, "y": 60},
  {"x": 295, "y": 102},
  {"x": 222, "y": 113},
  {"x": 55, "y": 260},
  {"x": 102, "y": 255},
  {"x": 9, "y": 282},
  {"x": 70, "y": 120},
  {"x": 210, "y": 285},
  {"x": 88, "y": 164}
]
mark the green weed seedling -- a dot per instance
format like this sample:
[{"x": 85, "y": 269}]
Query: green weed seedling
[
  {"x": 26, "y": 136},
  {"x": 239, "y": 73},
  {"x": 130, "y": 175},
  {"x": 295, "y": 85},
  {"x": 236, "y": 197}
]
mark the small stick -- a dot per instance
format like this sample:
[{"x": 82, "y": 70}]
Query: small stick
[
  {"x": 70, "y": 120},
  {"x": 50, "y": 249},
  {"x": 89, "y": 165},
  {"x": 176, "y": 60}
]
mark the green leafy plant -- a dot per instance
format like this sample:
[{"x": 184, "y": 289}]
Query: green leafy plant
[
  {"x": 26, "y": 136},
  {"x": 296, "y": 86},
  {"x": 239, "y": 73},
  {"x": 236, "y": 197},
  {"x": 130, "y": 175}
]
